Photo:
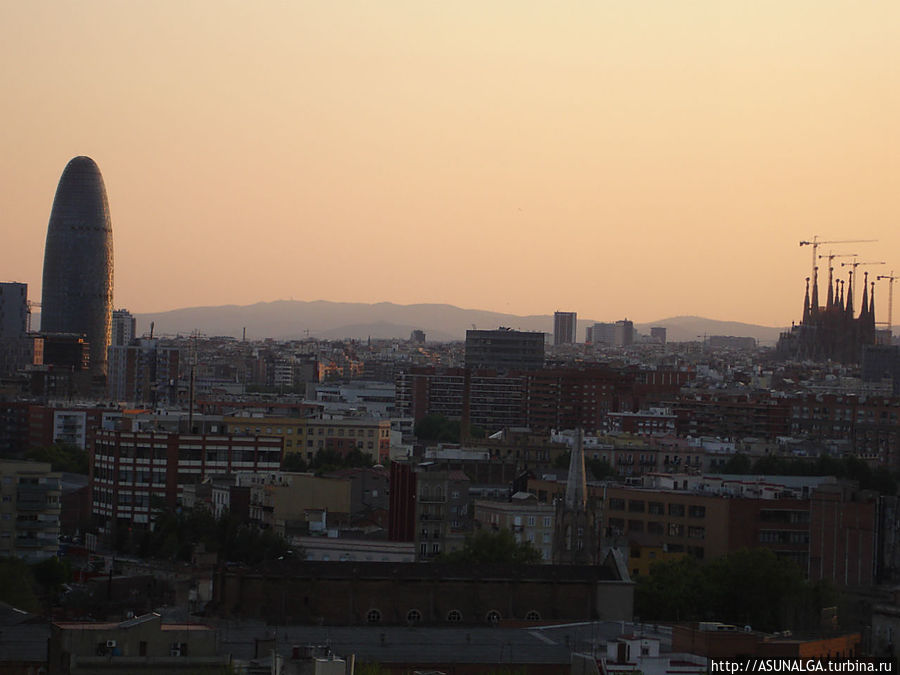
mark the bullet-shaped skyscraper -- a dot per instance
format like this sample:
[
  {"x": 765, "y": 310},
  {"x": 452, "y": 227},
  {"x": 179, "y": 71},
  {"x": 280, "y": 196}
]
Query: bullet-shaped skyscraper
[{"x": 78, "y": 260}]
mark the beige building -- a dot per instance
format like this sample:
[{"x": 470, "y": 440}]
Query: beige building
[
  {"x": 528, "y": 520},
  {"x": 140, "y": 645},
  {"x": 287, "y": 500},
  {"x": 307, "y": 436},
  {"x": 29, "y": 510}
]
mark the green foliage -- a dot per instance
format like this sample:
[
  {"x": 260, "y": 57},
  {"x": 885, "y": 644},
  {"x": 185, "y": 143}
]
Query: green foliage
[
  {"x": 848, "y": 467},
  {"x": 17, "y": 585},
  {"x": 175, "y": 534},
  {"x": 599, "y": 468},
  {"x": 326, "y": 460},
  {"x": 442, "y": 430},
  {"x": 749, "y": 587},
  {"x": 437, "y": 428},
  {"x": 501, "y": 546},
  {"x": 62, "y": 457},
  {"x": 293, "y": 461}
]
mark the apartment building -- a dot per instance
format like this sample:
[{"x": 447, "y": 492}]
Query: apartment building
[
  {"x": 528, "y": 520},
  {"x": 30, "y": 496},
  {"x": 135, "y": 472}
]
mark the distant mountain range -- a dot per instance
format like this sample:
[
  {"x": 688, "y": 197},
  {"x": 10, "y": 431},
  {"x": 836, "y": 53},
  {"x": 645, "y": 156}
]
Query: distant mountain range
[{"x": 293, "y": 319}]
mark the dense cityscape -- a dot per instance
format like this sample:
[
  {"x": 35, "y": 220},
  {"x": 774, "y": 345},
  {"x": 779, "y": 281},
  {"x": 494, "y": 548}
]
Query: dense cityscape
[{"x": 558, "y": 501}]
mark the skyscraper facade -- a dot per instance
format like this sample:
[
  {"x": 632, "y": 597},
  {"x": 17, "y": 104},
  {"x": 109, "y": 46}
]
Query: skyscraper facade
[
  {"x": 564, "y": 326},
  {"x": 78, "y": 260}
]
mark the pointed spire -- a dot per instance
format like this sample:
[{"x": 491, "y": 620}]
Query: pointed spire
[
  {"x": 806, "y": 304},
  {"x": 814, "y": 306},
  {"x": 872, "y": 308},
  {"x": 864, "y": 310},
  {"x": 576, "y": 484},
  {"x": 848, "y": 302},
  {"x": 829, "y": 303},
  {"x": 841, "y": 301}
]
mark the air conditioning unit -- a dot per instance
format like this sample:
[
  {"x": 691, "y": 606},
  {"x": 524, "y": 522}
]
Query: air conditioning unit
[{"x": 110, "y": 643}]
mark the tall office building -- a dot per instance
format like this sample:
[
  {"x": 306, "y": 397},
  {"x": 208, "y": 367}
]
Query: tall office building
[
  {"x": 504, "y": 349},
  {"x": 78, "y": 260},
  {"x": 15, "y": 347},
  {"x": 123, "y": 328},
  {"x": 13, "y": 309},
  {"x": 564, "y": 327}
]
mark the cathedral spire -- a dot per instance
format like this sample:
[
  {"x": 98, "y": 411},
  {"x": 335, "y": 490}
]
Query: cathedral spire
[
  {"x": 814, "y": 306},
  {"x": 829, "y": 303},
  {"x": 872, "y": 308},
  {"x": 806, "y": 304},
  {"x": 840, "y": 303},
  {"x": 848, "y": 302},
  {"x": 864, "y": 310},
  {"x": 576, "y": 484}
]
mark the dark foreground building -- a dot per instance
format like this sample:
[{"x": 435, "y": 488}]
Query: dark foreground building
[
  {"x": 78, "y": 260},
  {"x": 374, "y": 593}
]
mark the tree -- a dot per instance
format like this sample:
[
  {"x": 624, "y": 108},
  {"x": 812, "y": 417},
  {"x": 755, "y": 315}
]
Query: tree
[
  {"x": 501, "y": 546},
  {"x": 748, "y": 587},
  {"x": 738, "y": 463},
  {"x": 61, "y": 457}
]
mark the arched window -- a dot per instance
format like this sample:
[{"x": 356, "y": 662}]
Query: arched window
[
  {"x": 454, "y": 616},
  {"x": 413, "y": 616},
  {"x": 533, "y": 615},
  {"x": 493, "y": 617},
  {"x": 374, "y": 616}
]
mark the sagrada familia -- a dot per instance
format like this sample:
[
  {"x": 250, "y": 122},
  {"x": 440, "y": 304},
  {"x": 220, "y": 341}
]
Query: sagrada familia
[{"x": 832, "y": 332}]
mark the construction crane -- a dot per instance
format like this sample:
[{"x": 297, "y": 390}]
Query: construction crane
[
  {"x": 890, "y": 279},
  {"x": 815, "y": 243},
  {"x": 857, "y": 263}
]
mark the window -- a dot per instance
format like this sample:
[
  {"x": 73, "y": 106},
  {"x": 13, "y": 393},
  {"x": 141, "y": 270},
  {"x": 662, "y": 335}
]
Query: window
[
  {"x": 533, "y": 615},
  {"x": 616, "y": 504},
  {"x": 676, "y": 509},
  {"x": 697, "y": 511},
  {"x": 454, "y": 616},
  {"x": 414, "y": 616},
  {"x": 656, "y": 508},
  {"x": 636, "y": 506},
  {"x": 493, "y": 617},
  {"x": 374, "y": 616}
]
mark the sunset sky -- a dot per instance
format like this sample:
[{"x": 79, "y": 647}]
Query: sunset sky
[{"x": 619, "y": 159}]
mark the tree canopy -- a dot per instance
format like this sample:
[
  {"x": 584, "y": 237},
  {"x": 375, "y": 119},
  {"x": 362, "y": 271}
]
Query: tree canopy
[
  {"x": 442, "y": 430},
  {"x": 501, "y": 546},
  {"x": 749, "y": 587},
  {"x": 848, "y": 467},
  {"x": 61, "y": 457}
]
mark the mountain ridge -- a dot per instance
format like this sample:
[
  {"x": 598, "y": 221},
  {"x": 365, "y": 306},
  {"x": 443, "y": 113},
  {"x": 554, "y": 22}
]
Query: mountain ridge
[{"x": 296, "y": 319}]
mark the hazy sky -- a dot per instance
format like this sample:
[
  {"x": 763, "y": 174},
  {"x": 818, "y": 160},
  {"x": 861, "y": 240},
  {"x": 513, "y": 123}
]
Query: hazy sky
[{"x": 619, "y": 159}]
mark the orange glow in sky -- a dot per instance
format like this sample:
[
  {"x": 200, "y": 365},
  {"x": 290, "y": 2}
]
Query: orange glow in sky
[{"x": 640, "y": 159}]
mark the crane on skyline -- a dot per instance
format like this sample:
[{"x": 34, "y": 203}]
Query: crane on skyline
[
  {"x": 815, "y": 243},
  {"x": 854, "y": 265},
  {"x": 890, "y": 279}
]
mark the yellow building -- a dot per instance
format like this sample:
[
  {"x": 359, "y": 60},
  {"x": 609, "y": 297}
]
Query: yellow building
[{"x": 307, "y": 436}]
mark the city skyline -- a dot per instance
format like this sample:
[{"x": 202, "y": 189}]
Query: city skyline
[{"x": 513, "y": 158}]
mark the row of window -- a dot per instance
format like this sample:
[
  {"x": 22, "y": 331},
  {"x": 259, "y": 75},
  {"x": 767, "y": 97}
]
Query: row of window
[
  {"x": 657, "y": 508},
  {"x": 414, "y": 616},
  {"x": 618, "y": 526}
]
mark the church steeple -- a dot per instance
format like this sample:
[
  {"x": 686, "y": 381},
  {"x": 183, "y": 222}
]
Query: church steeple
[
  {"x": 576, "y": 483},
  {"x": 872, "y": 308},
  {"x": 806, "y": 304},
  {"x": 841, "y": 301},
  {"x": 864, "y": 310},
  {"x": 814, "y": 307},
  {"x": 829, "y": 303},
  {"x": 848, "y": 302}
]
